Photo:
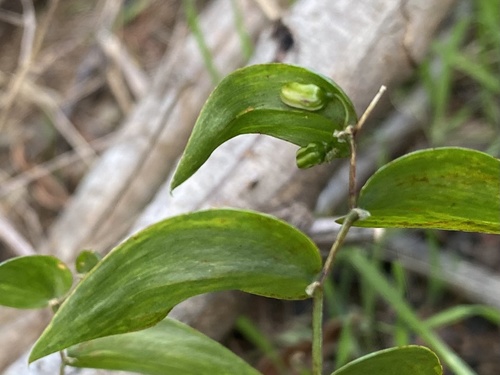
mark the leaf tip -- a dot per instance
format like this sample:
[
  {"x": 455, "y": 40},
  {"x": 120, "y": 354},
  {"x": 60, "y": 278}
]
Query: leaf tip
[
  {"x": 34, "y": 355},
  {"x": 44, "y": 346},
  {"x": 174, "y": 184}
]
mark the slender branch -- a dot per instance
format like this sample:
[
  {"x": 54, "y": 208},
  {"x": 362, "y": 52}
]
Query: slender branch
[
  {"x": 28, "y": 39},
  {"x": 352, "y": 174},
  {"x": 12, "y": 238},
  {"x": 30, "y": 47},
  {"x": 317, "y": 325},
  {"x": 315, "y": 290},
  {"x": 351, "y": 132},
  {"x": 62, "y": 367},
  {"x": 369, "y": 109},
  {"x": 66, "y": 159},
  {"x": 54, "y": 306},
  {"x": 354, "y": 215}
]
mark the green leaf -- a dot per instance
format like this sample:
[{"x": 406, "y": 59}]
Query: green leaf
[
  {"x": 170, "y": 347},
  {"x": 32, "y": 282},
  {"x": 405, "y": 360},
  {"x": 283, "y": 101},
  {"x": 447, "y": 188},
  {"x": 86, "y": 260},
  {"x": 138, "y": 282}
]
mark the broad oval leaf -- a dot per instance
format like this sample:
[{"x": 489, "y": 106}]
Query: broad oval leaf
[
  {"x": 170, "y": 347},
  {"x": 32, "y": 282},
  {"x": 447, "y": 188},
  {"x": 405, "y": 360},
  {"x": 284, "y": 101},
  {"x": 139, "y": 281}
]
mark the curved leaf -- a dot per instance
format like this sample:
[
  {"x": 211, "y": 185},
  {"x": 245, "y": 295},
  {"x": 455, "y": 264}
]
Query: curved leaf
[
  {"x": 447, "y": 188},
  {"x": 170, "y": 347},
  {"x": 31, "y": 282},
  {"x": 139, "y": 281},
  {"x": 405, "y": 360},
  {"x": 284, "y": 101}
]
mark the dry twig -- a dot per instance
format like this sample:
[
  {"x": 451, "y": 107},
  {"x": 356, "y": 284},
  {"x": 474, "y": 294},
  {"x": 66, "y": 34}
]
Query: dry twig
[
  {"x": 117, "y": 53},
  {"x": 30, "y": 47},
  {"x": 11, "y": 17},
  {"x": 45, "y": 99},
  {"x": 11, "y": 237},
  {"x": 41, "y": 170}
]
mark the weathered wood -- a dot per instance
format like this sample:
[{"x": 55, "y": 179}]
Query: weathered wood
[
  {"x": 128, "y": 174},
  {"x": 360, "y": 44}
]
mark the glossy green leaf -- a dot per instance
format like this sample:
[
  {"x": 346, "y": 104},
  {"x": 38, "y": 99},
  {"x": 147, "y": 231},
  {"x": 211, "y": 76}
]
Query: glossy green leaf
[
  {"x": 170, "y": 347},
  {"x": 139, "y": 281},
  {"x": 445, "y": 188},
  {"x": 405, "y": 360},
  {"x": 32, "y": 282},
  {"x": 86, "y": 260},
  {"x": 284, "y": 101}
]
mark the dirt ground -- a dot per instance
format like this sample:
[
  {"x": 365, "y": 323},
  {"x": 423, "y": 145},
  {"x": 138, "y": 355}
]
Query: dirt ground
[{"x": 63, "y": 97}]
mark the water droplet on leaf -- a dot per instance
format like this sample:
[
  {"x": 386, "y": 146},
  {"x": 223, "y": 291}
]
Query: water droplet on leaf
[{"x": 303, "y": 96}]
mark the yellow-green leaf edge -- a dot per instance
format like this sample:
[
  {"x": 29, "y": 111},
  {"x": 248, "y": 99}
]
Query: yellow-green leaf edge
[
  {"x": 137, "y": 283},
  {"x": 449, "y": 188}
]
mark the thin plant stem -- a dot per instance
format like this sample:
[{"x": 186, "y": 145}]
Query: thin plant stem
[
  {"x": 315, "y": 290},
  {"x": 317, "y": 325},
  {"x": 354, "y": 215},
  {"x": 369, "y": 110},
  {"x": 62, "y": 367},
  {"x": 351, "y": 134},
  {"x": 352, "y": 174},
  {"x": 54, "y": 306}
]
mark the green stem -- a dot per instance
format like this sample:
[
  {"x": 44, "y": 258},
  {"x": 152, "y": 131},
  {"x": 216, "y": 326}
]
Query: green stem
[
  {"x": 62, "y": 367},
  {"x": 352, "y": 173},
  {"x": 315, "y": 290},
  {"x": 317, "y": 324},
  {"x": 354, "y": 215},
  {"x": 54, "y": 306}
]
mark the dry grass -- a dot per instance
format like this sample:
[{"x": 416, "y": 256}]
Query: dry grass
[{"x": 69, "y": 73}]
